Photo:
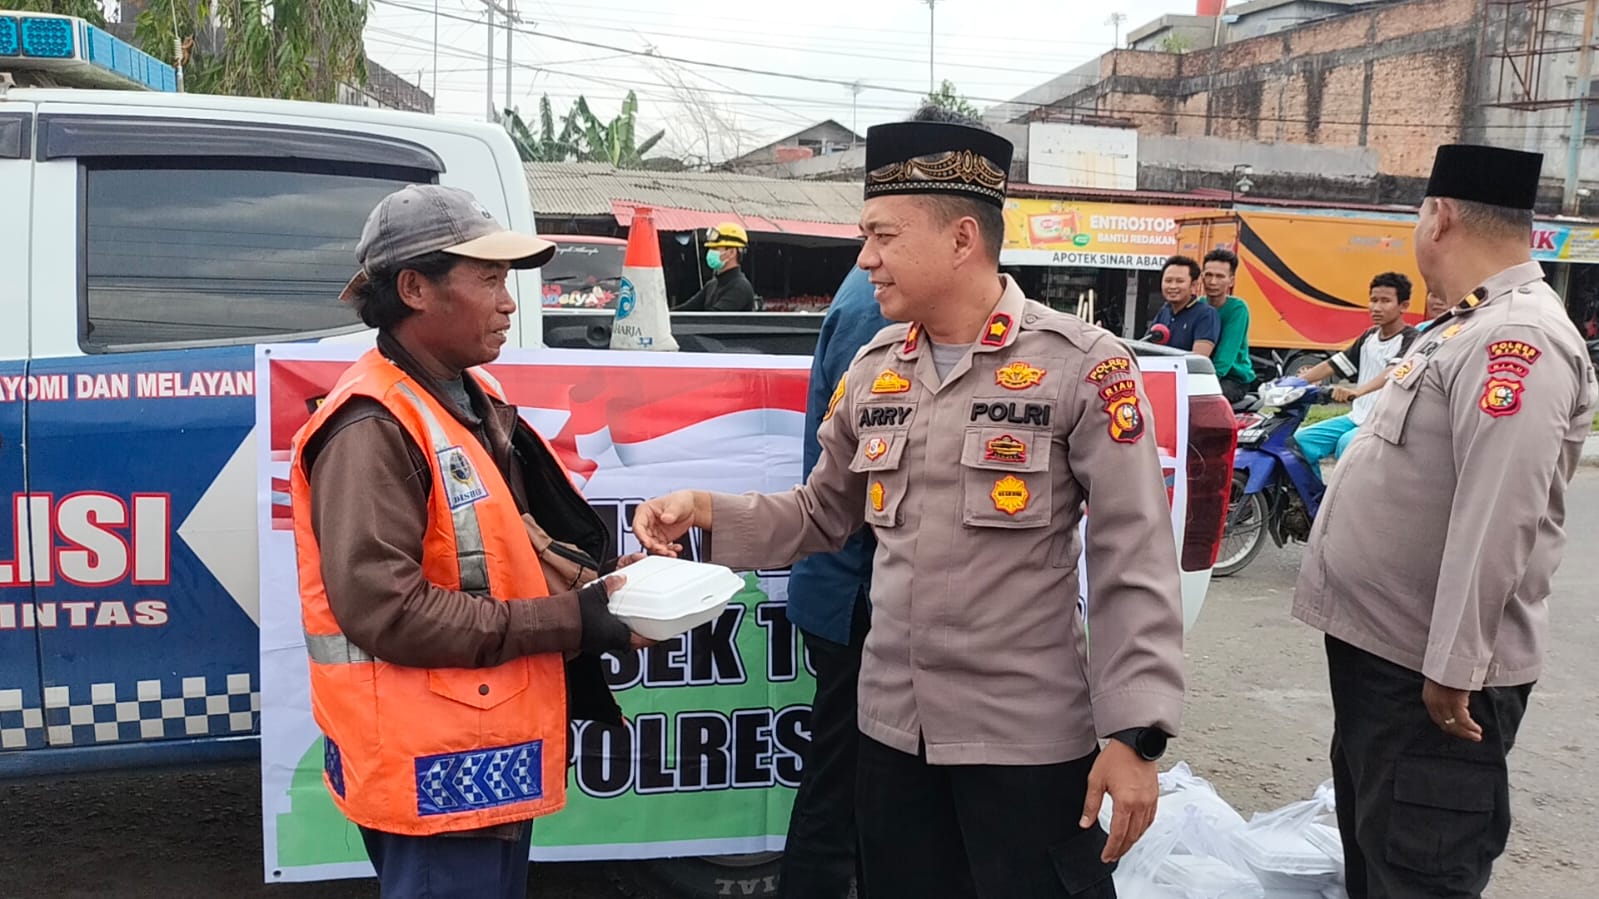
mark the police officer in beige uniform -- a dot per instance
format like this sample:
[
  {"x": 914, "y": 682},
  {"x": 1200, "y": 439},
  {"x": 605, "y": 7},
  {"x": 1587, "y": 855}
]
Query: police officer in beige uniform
[
  {"x": 969, "y": 438},
  {"x": 1430, "y": 563}
]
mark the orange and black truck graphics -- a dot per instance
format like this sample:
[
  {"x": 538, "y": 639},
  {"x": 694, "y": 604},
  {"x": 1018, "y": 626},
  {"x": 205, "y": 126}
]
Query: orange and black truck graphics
[{"x": 1306, "y": 276}]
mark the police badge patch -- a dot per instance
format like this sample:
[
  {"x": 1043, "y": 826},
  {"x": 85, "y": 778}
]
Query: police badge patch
[
  {"x": 462, "y": 486},
  {"x": 1121, "y": 404},
  {"x": 1501, "y": 397}
]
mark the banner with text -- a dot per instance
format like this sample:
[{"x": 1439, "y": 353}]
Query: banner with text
[
  {"x": 719, "y": 718},
  {"x": 1090, "y": 235}
]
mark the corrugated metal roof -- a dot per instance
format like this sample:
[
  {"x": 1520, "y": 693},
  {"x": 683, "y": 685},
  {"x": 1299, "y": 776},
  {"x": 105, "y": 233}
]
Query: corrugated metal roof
[{"x": 588, "y": 189}]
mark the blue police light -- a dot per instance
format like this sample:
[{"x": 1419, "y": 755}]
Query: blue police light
[
  {"x": 47, "y": 38},
  {"x": 10, "y": 41},
  {"x": 76, "y": 54}
]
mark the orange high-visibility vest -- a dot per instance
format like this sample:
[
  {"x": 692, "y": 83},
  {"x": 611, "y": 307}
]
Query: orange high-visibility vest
[{"x": 422, "y": 751}]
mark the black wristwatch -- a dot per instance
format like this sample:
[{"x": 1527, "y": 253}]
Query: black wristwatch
[{"x": 1148, "y": 742}]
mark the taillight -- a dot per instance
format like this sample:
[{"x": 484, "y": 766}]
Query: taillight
[{"x": 1212, "y": 437}]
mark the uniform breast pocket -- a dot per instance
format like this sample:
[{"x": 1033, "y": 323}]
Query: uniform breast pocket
[
  {"x": 878, "y": 457},
  {"x": 1005, "y": 481},
  {"x": 1390, "y": 415}
]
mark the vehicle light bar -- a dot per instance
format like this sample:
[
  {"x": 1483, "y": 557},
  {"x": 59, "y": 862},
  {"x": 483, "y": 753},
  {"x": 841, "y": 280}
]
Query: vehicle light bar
[{"x": 76, "y": 54}]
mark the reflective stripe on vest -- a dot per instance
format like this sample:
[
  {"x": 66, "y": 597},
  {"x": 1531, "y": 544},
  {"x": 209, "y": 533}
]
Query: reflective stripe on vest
[
  {"x": 468, "y": 535},
  {"x": 334, "y": 649}
]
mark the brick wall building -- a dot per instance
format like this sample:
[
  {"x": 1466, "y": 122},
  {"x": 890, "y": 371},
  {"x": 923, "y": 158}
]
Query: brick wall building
[{"x": 1396, "y": 79}]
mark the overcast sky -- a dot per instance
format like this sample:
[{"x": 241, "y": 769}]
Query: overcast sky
[{"x": 991, "y": 50}]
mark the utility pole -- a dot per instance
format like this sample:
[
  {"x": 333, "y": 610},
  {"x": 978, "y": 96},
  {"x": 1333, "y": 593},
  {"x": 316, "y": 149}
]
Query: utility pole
[
  {"x": 1579, "y": 108},
  {"x": 511, "y": 18},
  {"x": 854, "y": 115},
  {"x": 1115, "y": 22},
  {"x": 435, "y": 56},
  {"x": 508, "y": 10},
  {"x": 489, "y": 96},
  {"x": 932, "y": 15}
]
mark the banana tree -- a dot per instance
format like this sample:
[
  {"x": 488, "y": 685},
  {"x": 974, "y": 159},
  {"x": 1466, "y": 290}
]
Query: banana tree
[
  {"x": 615, "y": 141},
  {"x": 546, "y": 145}
]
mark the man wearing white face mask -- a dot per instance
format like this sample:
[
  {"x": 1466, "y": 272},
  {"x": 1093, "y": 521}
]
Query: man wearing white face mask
[{"x": 729, "y": 291}]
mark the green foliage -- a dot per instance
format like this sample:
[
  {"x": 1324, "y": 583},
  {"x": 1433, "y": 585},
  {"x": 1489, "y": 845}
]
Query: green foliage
[
  {"x": 948, "y": 98},
  {"x": 83, "y": 9},
  {"x": 289, "y": 49},
  {"x": 1175, "y": 43},
  {"x": 583, "y": 136}
]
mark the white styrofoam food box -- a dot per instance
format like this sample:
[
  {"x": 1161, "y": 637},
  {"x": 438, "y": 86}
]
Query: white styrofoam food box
[{"x": 664, "y": 597}]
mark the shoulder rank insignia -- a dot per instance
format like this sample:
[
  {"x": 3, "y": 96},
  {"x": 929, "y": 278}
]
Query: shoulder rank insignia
[
  {"x": 913, "y": 337},
  {"x": 838, "y": 394},
  {"x": 997, "y": 329},
  {"x": 890, "y": 382}
]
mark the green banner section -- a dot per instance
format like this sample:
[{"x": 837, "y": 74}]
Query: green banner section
[{"x": 717, "y": 721}]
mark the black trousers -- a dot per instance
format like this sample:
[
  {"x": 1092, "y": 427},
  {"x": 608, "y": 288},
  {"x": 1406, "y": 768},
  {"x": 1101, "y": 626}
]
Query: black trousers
[
  {"x": 977, "y": 831},
  {"x": 1421, "y": 813},
  {"x": 821, "y": 856},
  {"x": 1234, "y": 389},
  {"x": 449, "y": 867}
]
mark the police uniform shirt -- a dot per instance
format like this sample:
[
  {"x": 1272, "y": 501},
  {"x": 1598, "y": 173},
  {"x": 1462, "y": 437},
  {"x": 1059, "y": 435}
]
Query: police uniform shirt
[
  {"x": 975, "y": 485},
  {"x": 1441, "y": 530}
]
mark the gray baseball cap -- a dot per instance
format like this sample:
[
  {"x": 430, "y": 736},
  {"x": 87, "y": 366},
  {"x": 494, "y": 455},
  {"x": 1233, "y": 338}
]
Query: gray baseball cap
[{"x": 419, "y": 219}]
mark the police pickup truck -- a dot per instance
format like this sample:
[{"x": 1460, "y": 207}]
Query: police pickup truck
[{"x": 150, "y": 240}]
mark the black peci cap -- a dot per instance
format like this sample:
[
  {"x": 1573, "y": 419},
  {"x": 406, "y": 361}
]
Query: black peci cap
[
  {"x": 1489, "y": 175},
  {"x": 936, "y": 158}
]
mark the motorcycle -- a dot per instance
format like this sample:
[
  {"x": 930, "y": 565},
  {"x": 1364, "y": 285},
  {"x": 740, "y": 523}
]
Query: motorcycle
[{"x": 1275, "y": 489}]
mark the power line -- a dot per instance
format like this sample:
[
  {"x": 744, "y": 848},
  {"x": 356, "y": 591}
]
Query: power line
[
  {"x": 814, "y": 79},
  {"x": 731, "y": 26},
  {"x": 944, "y": 57}
]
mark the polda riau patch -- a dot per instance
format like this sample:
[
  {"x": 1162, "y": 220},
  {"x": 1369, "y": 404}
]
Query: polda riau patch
[
  {"x": 462, "y": 486},
  {"x": 1126, "y": 416},
  {"x": 1501, "y": 396}
]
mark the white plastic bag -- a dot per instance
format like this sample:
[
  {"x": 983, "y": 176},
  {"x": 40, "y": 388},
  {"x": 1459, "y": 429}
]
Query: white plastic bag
[
  {"x": 1180, "y": 788},
  {"x": 1186, "y": 855},
  {"x": 1276, "y": 847}
]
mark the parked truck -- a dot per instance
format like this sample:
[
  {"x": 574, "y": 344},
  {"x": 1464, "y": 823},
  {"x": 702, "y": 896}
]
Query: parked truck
[
  {"x": 1306, "y": 275},
  {"x": 152, "y": 240}
]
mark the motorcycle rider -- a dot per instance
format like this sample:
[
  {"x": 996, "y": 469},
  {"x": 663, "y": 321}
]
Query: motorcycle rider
[{"x": 1368, "y": 361}]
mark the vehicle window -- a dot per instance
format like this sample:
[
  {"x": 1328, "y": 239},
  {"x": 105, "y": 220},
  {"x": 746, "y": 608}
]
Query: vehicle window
[
  {"x": 207, "y": 255},
  {"x": 583, "y": 275}
]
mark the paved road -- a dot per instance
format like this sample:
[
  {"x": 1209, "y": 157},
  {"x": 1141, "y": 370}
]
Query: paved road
[{"x": 1257, "y": 727}]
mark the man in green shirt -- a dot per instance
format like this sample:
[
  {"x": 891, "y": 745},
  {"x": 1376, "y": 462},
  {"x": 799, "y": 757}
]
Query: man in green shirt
[{"x": 1231, "y": 355}]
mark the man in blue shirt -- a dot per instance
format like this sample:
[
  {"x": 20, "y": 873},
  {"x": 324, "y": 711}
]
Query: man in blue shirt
[
  {"x": 1195, "y": 325},
  {"x": 827, "y": 601}
]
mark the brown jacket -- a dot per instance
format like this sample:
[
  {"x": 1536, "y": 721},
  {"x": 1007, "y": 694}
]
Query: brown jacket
[
  {"x": 1442, "y": 527},
  {"x": 369, "y": 490},
  {"x": 975, "y": 489}
]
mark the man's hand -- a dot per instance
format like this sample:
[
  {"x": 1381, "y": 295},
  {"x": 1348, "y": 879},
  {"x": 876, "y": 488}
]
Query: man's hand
[
  {"x": 1133, "y": 787},
  {"x": 1343, "y": 395},
  {"x": 659, "y": 523},
  {"x": 1451, "y": 711}
]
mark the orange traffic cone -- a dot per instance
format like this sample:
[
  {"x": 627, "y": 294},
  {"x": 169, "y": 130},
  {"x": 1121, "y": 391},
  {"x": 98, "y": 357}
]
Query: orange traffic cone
[{"x": 643, "y": 321}]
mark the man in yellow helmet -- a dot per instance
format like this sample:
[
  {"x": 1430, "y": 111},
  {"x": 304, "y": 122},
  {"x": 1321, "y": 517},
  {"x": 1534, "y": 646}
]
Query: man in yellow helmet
[{"x": 728, "y": 290}]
